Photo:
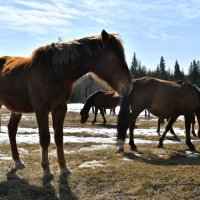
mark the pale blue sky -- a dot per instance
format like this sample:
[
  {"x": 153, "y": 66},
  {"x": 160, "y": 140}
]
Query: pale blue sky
[{"x": 151, "y": 28}]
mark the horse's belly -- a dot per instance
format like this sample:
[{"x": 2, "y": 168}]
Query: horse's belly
[
  {"x": 17, "y": 105},
  {"x": 164, "y": 112}
]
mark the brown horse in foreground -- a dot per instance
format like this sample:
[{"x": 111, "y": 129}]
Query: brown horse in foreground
[
  {"x": 43, "y": 82},
  {"x": 100, "y": 100},
  {"x": 164, "y": 99}
]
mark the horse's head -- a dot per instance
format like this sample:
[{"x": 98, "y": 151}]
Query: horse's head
[
  {"x": 112, "y": 66},
  {"x": 84, "y": 116}
]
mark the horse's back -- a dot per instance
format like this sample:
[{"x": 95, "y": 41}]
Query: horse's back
[{"x": 106, "y": 99}]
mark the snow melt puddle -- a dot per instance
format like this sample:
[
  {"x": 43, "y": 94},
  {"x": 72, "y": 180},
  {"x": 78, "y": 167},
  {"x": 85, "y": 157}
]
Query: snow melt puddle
[{"x": 92, "y": 164}]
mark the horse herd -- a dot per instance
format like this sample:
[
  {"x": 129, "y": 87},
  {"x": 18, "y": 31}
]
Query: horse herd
[{"x": 42, "y": 83}]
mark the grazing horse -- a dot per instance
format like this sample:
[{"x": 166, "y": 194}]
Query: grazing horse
[
  {"x": 100, "y": 100},
  {"x": 43, "y": 82},
  {"x": 164, "y": 99}
]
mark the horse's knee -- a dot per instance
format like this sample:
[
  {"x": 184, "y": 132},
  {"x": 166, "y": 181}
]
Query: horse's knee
[{"x": 45, "y": 140}]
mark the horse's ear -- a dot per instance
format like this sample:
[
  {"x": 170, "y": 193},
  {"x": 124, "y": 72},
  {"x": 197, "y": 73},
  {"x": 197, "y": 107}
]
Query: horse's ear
[{"x": 104, "y": 37}]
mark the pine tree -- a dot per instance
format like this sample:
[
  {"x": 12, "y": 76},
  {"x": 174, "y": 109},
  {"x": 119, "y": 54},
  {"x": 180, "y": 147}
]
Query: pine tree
[
  {"x": 134, "y": 66},
  {"x": 177, "y": 72},
  {"x": 163, "y": 73},
  {"x": 60, "y": 39},
  {"x": 194, "y": 74}
]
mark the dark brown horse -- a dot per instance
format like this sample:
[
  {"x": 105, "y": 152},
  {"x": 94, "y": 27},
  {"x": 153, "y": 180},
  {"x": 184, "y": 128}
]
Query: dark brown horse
[
  {"x": 43, "y": 82},
  {"x": 164, "y": 99},
  {"x": 100, "y": 100}
]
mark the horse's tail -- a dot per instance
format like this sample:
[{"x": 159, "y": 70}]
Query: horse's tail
[
  {"x": 197, "y": 90},
  {"x": 124, "y": 115}
]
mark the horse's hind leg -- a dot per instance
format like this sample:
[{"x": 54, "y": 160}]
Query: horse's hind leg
[
  {"x": 131, "y": 140},
  {"x": 95, "y": 115},
  {"x": 158, "y": 126},
  {"x": 42, "y": 120},
  {"x": 102, "y": 113},
  {"x": 174, "y": 134},
  {"x": 12, "y": 131},
  {"x": 58, "y": 116},
  {"x": 193, "y": 125},
  {"x": 167, "y": 128},
  {"x": 188, "y": 121}
]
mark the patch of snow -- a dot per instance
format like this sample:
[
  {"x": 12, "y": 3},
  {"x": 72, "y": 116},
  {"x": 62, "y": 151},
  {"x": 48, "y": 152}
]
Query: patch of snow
[
  {"x": 92, "y": 164},
  {"x": 23, "y": 151},
  {"x": 5, "y": 157},
  {"x": 126, "y": 159},
  {"x": 97, "y": 147},
  {"x": 190, "y": 154}
]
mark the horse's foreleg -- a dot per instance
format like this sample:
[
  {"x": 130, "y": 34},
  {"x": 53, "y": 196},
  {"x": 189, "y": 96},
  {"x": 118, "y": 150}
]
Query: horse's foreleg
[
  {"x": 188, "y": 121},
  {"x": 95, "y": 115},
  {"x": 42, "y": 120},
  {"x": 12, "y": 131},
  {"x": 58, "y": 116},
  {"x": 102, "y": 113},
  {"x": 167, "y": 128}
]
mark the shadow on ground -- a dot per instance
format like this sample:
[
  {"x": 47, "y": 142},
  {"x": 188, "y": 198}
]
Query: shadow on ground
[{"x": 17, "y": 188}]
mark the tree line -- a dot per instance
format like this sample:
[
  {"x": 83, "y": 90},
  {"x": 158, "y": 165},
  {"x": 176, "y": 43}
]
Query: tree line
[
  {"x": 88, "y": 84},
  {"x": 193, "y": 76}
]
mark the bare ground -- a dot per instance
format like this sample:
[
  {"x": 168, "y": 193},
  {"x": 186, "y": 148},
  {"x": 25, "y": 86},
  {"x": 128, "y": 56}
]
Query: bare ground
[{"x": 150, "y": 173}]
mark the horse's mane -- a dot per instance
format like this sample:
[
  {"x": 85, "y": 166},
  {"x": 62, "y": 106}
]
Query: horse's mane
[{"x": 62, "y": 53}]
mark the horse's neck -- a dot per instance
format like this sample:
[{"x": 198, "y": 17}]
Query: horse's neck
[{"x": 88, "y": 105}]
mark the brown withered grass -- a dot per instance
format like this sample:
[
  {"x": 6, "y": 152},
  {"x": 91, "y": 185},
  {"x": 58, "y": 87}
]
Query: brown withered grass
[{"x": 150, "y": 173}]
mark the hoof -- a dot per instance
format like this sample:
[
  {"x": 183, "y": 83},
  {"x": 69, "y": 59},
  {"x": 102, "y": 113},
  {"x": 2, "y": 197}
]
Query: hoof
[
  {"x": 193, "y": 150},
  {"x": 48, "y": 178},
  {"x": 194, "y": 134},
  {"x": 133, "y": 148},
  {"x": 64, "y": 175},
  {"x": 176, "y": 138},
  {"x": 65, "y": 172},
  {"x": 159, "y": 145},
  {"x": 19, "y": 165},
  {"x": 120, "y": 151}
]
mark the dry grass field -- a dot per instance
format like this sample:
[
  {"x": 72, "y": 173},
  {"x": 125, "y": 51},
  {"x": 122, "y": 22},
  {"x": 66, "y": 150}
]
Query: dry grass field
[{"x": 102, "y": 174}]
